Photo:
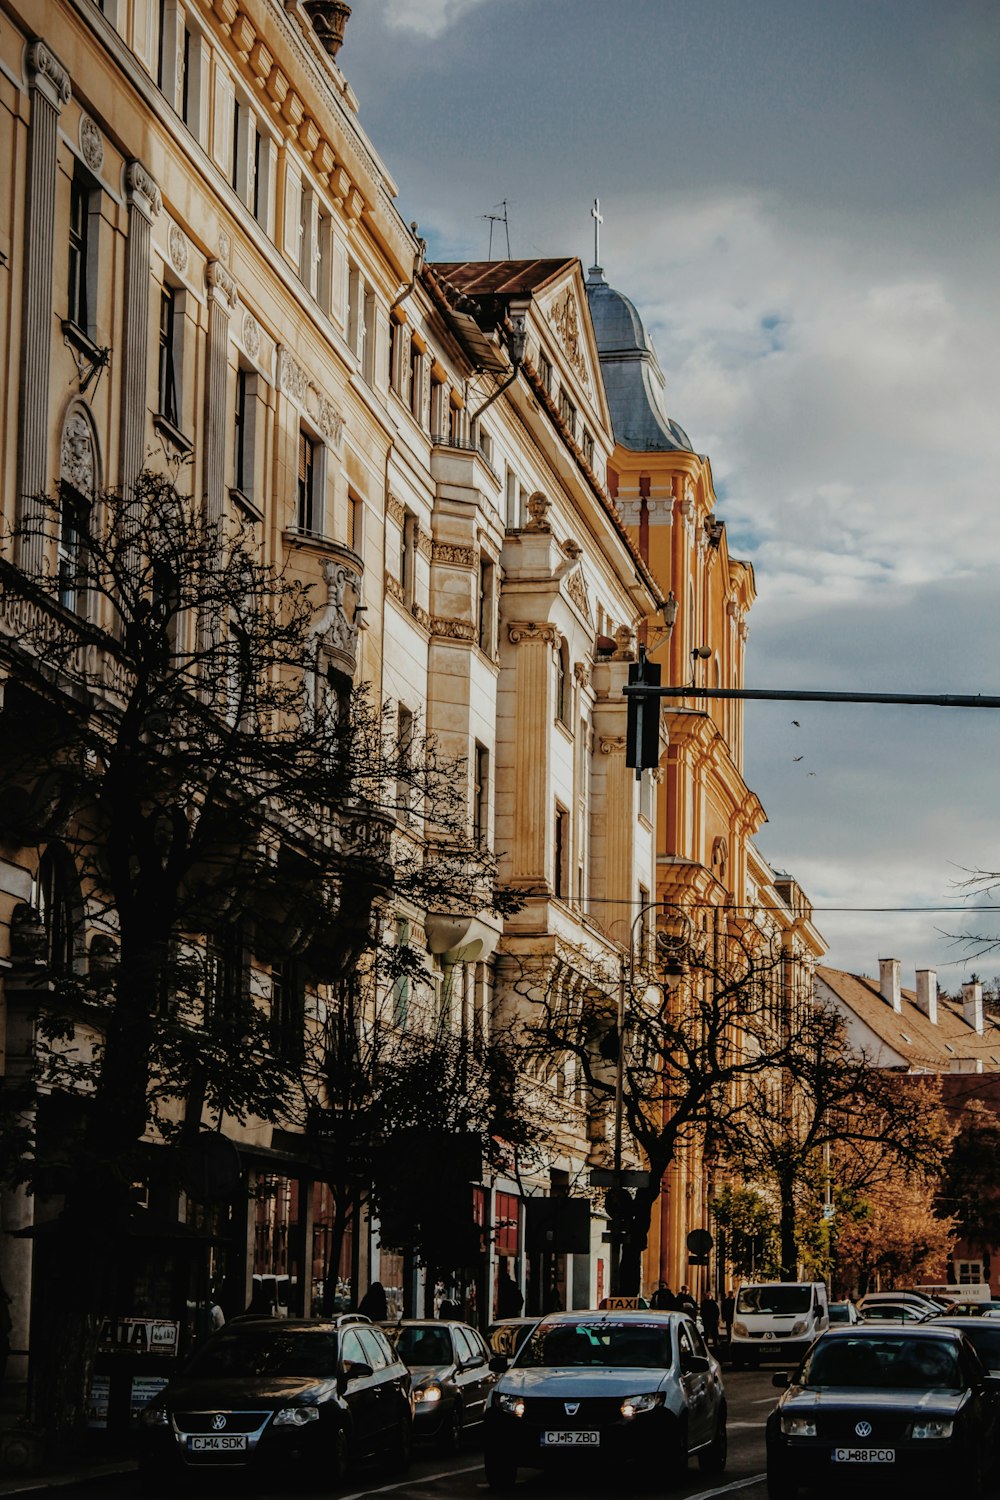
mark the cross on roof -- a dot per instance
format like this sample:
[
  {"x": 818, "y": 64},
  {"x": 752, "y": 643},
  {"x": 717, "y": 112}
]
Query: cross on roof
[{"x": 598, "y": 218}]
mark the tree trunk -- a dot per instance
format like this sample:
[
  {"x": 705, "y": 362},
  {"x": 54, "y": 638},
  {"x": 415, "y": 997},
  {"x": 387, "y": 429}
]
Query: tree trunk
[{"x": 789, "y": 1239}]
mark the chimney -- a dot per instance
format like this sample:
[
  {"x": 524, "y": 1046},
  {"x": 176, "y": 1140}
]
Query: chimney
[
  {"x": 972, "y": 1004},
  {"x": 927, "y": 994},
  {"x": 888, "y": 983}
]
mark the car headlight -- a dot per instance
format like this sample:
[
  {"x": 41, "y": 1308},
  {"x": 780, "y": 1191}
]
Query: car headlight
[
  {"x": 793, "y": 1426},
  {"x": 509, "y": 1403},
  {"x": 634, "y": 1404},
  {"x": 740, "y": 1329},
  {"x": 154, "y": 1416},
  {"x": 933, "y": 1427},
  {"x": 799, "y": 1327},
  {"x": 426, "y": 1395},
  {"x": 296, "y": 1416}
]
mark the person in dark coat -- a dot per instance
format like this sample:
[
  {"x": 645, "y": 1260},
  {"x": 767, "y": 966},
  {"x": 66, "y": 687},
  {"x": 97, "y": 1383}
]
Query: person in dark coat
[
  {"x": 663, "y": 1299},
  {"x": 686, "y": 1303},
  {"x": 510, "y": 1298},
  {"x": 374, "y": 1304},
  {"x": 450, "y": 1311},
  {"x": 710, "y": 1318}
]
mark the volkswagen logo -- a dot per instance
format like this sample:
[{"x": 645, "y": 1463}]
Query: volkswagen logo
[
  {"x": 218, "y": 1421},
  {"x": 571, "y": 1408},
  {"x": 863, "y": 1429}
]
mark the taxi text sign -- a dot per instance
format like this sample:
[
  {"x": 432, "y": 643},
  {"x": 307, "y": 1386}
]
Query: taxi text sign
[{"x": 623, "y": 1304}]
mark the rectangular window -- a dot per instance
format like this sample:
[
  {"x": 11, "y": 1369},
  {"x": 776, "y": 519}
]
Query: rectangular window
[
  {"x": 416, "y": 382},
  {"x": 308, "y": 519},
  {"x": 568, "y": 412},
  {"x": 246, "y": 409},
  {"x": 481, "y": 796},
  {"x": 408, "y": 557},
  {"x": 644, "y": 926},
  {"x": 356, "y": 311},
  {"x": 355, "y": 521},
  {"x": 484, "y": 443},
  {"x": 367, "y": 354},
  {"x": 587, "y": 446},
  {"x": 404, "y": 761},
  {"x": 287, "y": 1010},
  {"x": 70, "y": 544},
  {"x": 487, "y": 607},
  {"x": 561, "y": 872},
  {"x": 510, "y": 500},
  {"x": 401, "y": 982},
  {"x": 455, "y": 426},
  {"x": 79, "y": 243},
  {"x": 168, "y": 382},
  {"x": 225, "y": 978},
  {"x": 545, "y": 370}
]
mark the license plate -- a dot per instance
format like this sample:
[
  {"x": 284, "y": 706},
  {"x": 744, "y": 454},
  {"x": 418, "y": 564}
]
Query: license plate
[
  {"x": 571, "y": 1439},
  {"x": 864, "y": 1455},
  {"x": 219, "y": 1442}
]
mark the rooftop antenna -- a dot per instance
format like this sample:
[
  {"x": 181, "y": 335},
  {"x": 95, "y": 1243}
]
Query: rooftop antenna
[{"x": 498, "y": 218}]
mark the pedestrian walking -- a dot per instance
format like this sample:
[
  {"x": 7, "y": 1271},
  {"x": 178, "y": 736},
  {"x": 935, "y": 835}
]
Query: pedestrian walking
[
  {"x": 710, "y": 1318},
  {"x": 374, "y": 1303},
  {"x": 510, "y": 1298},
  {"x": 686, "y": 1303},
  {"x": 728, "y": 1313},
  {"x": 663, "y": 1298}
]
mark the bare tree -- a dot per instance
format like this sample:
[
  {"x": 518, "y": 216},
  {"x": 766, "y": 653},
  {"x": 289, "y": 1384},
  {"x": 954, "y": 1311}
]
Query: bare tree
[
  {"x": 210, "y": 788},
  {"x": 675, "y": 1036}
]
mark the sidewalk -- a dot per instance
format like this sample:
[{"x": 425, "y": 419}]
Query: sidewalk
[
  {"x": 20, "y": 1475},
  {"x": 59, "y": 1476}
]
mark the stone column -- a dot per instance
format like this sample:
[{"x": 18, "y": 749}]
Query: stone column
[
  {"x": 533, "y": 811},
  {"x": 49, "y": 90},
  {"x": 222, "y": 299},
  {"x": 144, "y": 203}
]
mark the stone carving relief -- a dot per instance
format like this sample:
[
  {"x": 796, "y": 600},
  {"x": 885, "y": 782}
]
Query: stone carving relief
[
  {"x": 222, "y": 283},
  {"x": 425, "y": 545},
  {"x": 91, "y": 144},
  {"x": 336, "y": 629},
  {"x": 78, "y": 455},
  {"x": 294, "y": 382},
  {"x": 612, "y": 744},
  {"x": 566, "y": 321},
  {"x": 577, "y": 591},
  {"x": 394, "y": 589},
  {"x": 394, "y": 510},
  {"x": 624, "y": 644},
  {"x": 250, "y": 333},
  {"x": 453, "y": 556},
  {"x": 452, "y": 630},
  {"x": 581, "y": 671},
  {"x": 46, "y": 72},
  {"x": 177, "y": 246},
  {"x": 139, "y": 184},
  {"x": 529, "y": 631},
  {"x": 225, "y": 244}
]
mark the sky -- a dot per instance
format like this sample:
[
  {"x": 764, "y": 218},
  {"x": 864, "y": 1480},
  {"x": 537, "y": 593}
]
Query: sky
[{"x": 802, "y": 200}]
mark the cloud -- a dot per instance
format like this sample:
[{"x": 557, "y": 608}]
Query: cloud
[{"x": 427, "y": 18}]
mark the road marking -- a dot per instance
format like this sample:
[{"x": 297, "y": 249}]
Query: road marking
[
  {"x": 731, "y": 1425},
  {"x": 387, "y": 1489},
  {"x": 727, "y": 1489}
]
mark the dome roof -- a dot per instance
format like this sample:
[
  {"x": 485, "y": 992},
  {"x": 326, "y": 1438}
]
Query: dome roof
[{"x": 632, "y": 375}]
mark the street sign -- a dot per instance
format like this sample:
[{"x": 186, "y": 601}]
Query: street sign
[
  {"x": 700, "y": 1242},
  {"x": 828, "y": 1210},
  {"x": 607, "y": 1177}
]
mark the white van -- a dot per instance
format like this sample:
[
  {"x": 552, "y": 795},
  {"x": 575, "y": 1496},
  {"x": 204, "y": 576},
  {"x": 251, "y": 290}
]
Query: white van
[{"x": 777, "y": 1320}]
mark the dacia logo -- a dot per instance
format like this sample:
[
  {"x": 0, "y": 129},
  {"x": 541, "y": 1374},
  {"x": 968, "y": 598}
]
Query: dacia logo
[
  {"x": 571, "y": 1408},
  {"x": 218, "y": 1421}
]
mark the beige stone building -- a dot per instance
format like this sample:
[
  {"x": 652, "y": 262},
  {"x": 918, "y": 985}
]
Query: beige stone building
[{"x": 204, "y": 269}]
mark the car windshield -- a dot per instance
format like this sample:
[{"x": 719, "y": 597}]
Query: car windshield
[
  {"x": 774, "y": 1299},
  {"x": 424, "y": 1346},
  {"x": 242, "y": 1353},
  {"x": 985, "y": 1339},
  {"x": 884, "y": 1362},
  {"x": 636, "y": 1346}
]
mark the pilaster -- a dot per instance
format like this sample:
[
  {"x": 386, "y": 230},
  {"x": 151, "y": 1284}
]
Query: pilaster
[
  {"x": 144, "y": 203},
  {"x": 532, "y": 729},
  {"x": 49, "y": 90},
  {"x": 222, "y": 299}
]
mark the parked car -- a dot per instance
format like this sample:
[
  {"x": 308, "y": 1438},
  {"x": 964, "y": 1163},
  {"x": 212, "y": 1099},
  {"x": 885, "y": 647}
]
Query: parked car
[
  {"x": 983, "y": 1334},
  {"x": 610, "y": 1388},
  {"x": 776, "y": 1320},
  {"x": 292, "y": 1397},
  {"x": 450, "y": 1366},
  {"x": 894, "y": 1312},
  {"x": 880, "y": 1405},
  {"x": 843, "y": 1312},
  {"x": 508, "y": 1334},
  {"x": 973, "y": 1309},
  {"x": 913, "y": 1299}
]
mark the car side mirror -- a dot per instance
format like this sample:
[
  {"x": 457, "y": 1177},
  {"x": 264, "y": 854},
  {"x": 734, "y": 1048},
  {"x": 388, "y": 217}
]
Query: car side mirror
[
  {"x": 355, "y": 1369},
  {"x": 782, "y": 1379},
  {"x": 499, "y": 1363},
  {"x": 694, "y": 1364}
]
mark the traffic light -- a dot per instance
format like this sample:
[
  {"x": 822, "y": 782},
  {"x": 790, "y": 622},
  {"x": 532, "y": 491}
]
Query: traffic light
[{"x": 642, "y": 735}]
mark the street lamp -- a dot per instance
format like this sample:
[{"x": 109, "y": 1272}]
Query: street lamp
[{"x": 671, "y": 968}]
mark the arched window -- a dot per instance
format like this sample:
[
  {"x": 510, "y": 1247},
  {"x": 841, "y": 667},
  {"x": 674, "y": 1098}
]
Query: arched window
[{"x": 53, "y": 897}]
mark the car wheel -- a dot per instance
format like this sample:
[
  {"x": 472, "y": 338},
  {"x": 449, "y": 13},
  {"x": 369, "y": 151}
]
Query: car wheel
[
  {"x": 501, "y": 1471},
  {"x": 781, "y": 1486},
  {"x": 451, "y": 1430},
  {"x": 712, "y": 1460},
  {"x": 401, "y": 1449}
]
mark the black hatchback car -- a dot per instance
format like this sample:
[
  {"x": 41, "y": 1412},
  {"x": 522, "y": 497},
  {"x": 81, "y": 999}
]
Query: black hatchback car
[
  {"x": 296, "y": 1398},
  {"x": 450, "y": 1366},
  {"x": 896, "y": 1407},
  {"x": 607, "y": 1388}
]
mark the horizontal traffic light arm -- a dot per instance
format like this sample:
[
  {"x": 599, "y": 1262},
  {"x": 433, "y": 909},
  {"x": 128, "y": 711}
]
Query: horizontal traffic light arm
[{"x": 644, "y": 690}]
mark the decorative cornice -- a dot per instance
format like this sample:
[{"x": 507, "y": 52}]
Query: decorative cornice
[
  {"x": 452, "y": 630},
  {"x": 395, "y": 510},
  {"x": 140, "y": 189},
  {"x": 421, "y": 616},
  {"x": 222, "y": 284},
  {"x": 47, "y": 74},
  {"x": 394, "y": 589},
  {"x": 530, "y": 631},
  {"x": 581, "y": 671},
  {"x": 449, "y": 554},
  {"x": 425, "y": 545},
  {"x": 295, "y": 383}
]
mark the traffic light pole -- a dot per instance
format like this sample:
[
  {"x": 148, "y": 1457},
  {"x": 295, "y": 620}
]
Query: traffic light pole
[{"x": 643, "y": 690}]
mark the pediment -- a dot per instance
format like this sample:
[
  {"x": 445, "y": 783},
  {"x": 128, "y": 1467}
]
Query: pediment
[{"x": 568, "y": 334}]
